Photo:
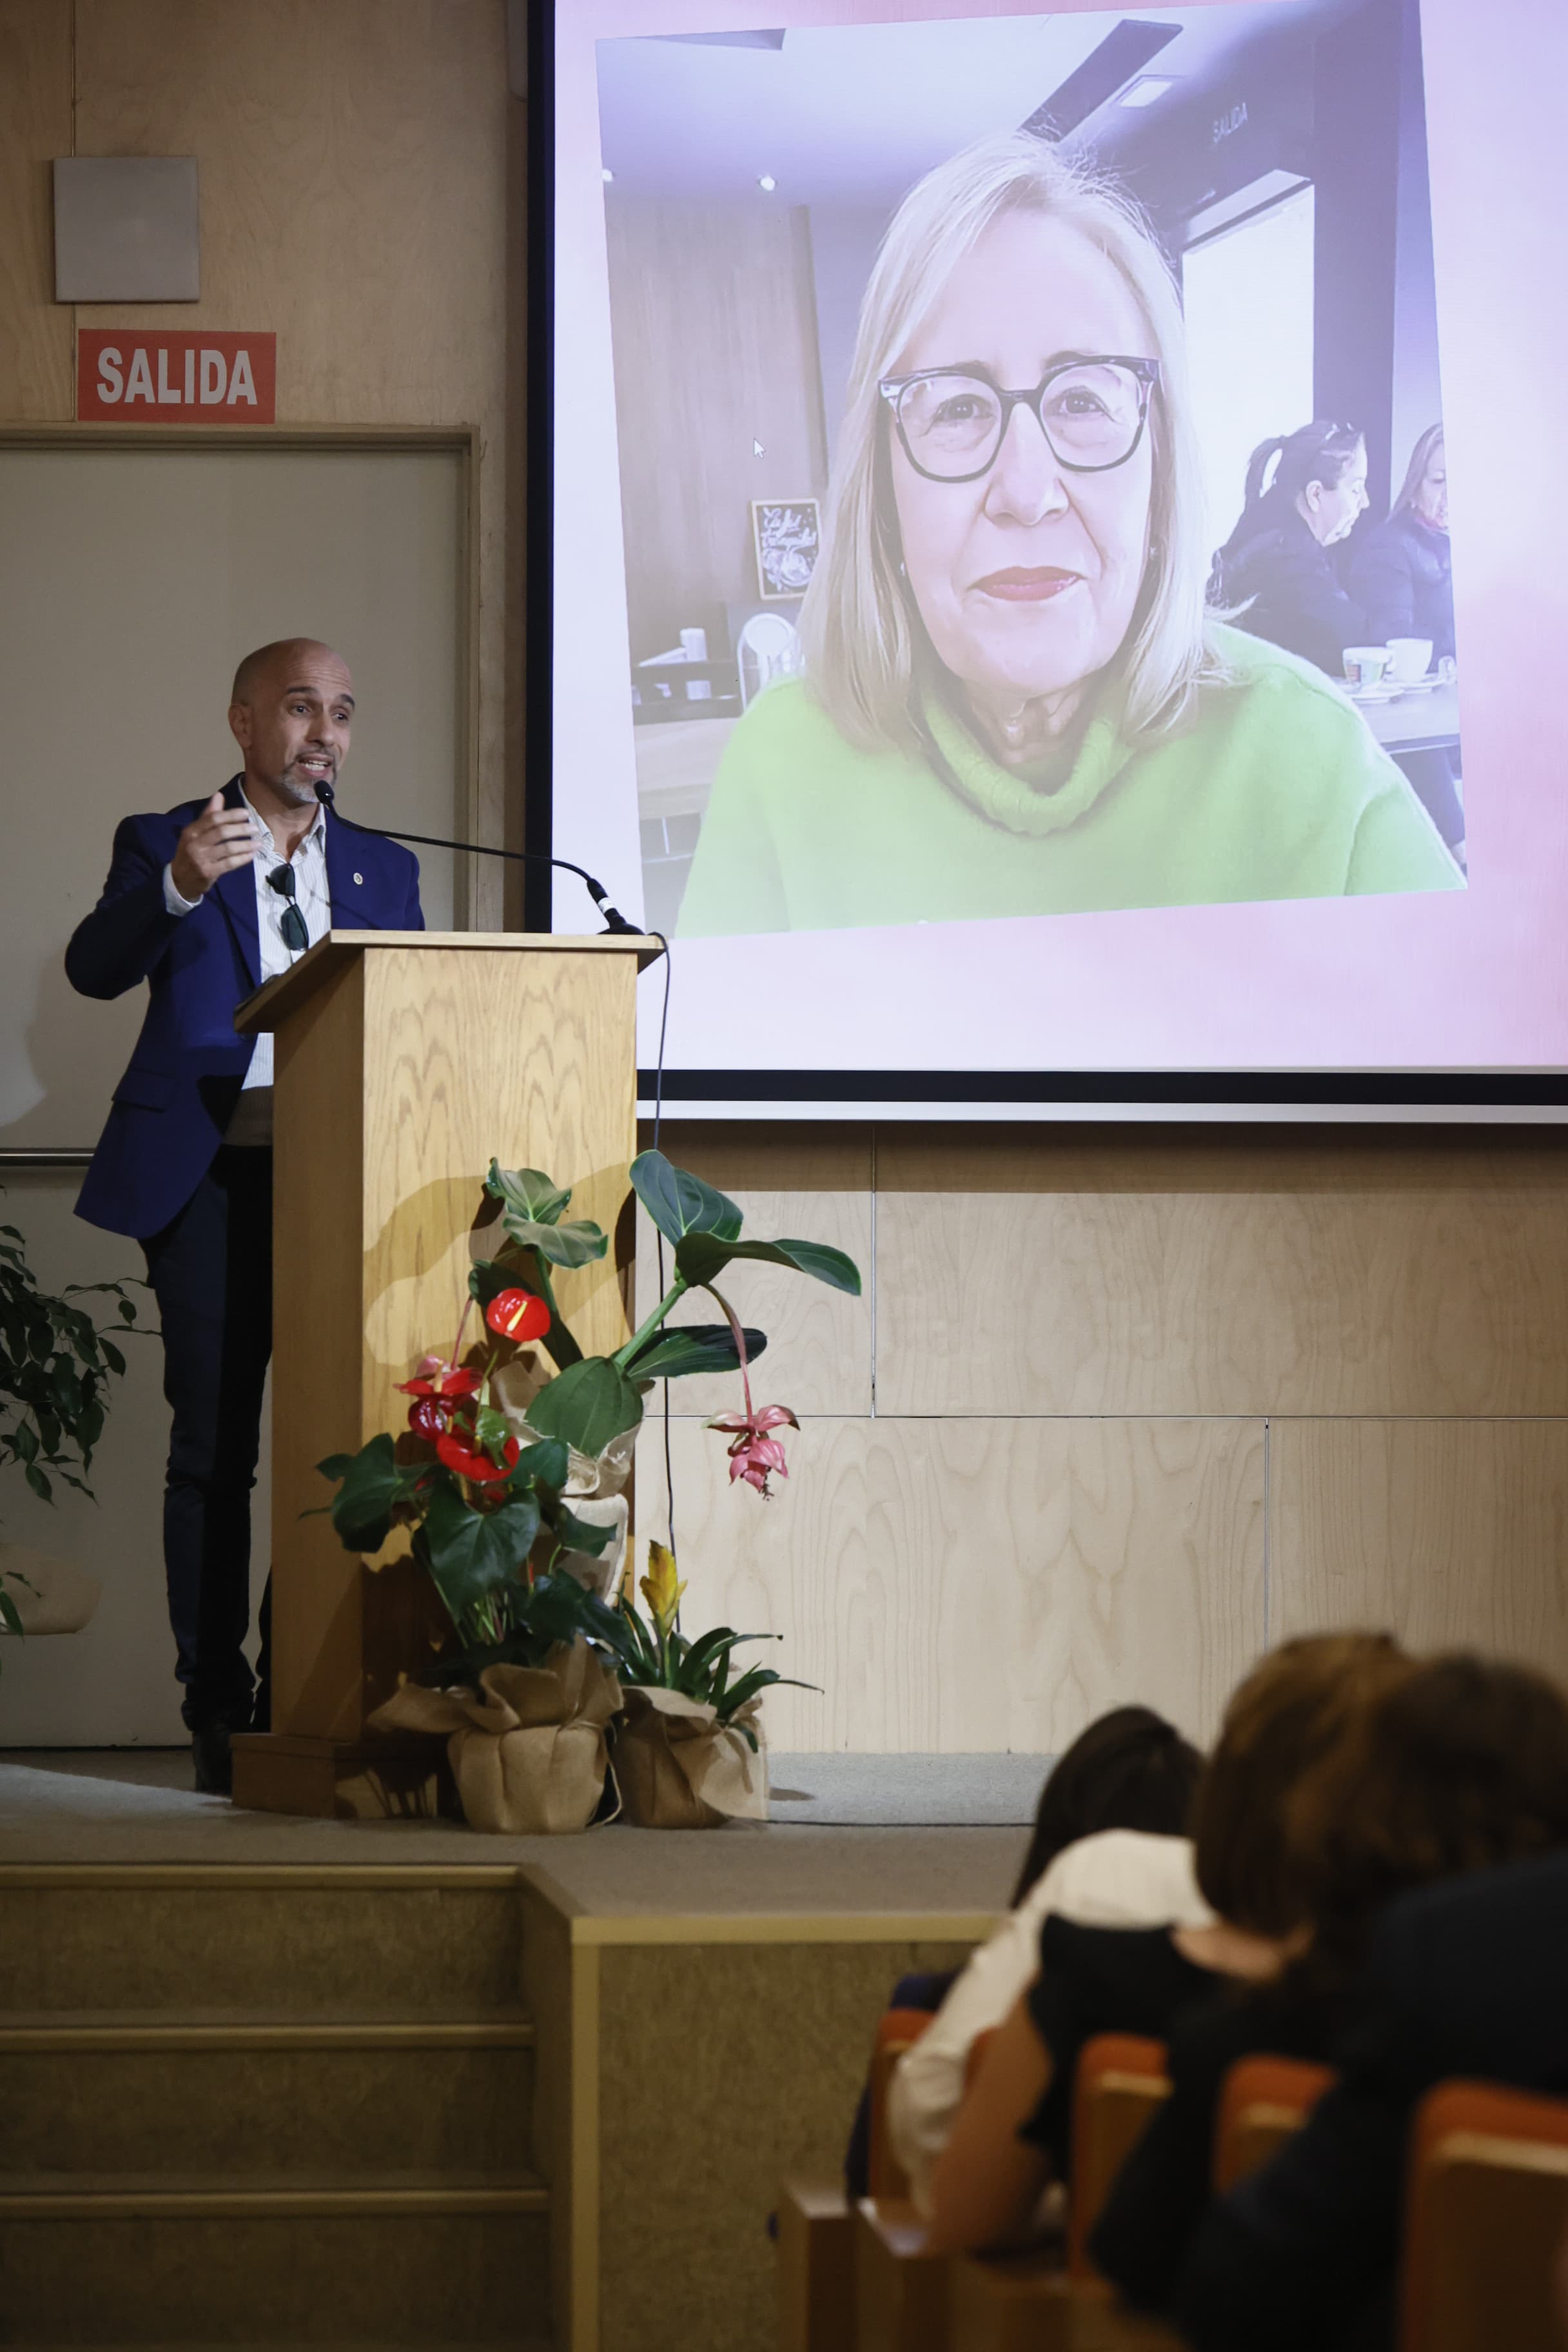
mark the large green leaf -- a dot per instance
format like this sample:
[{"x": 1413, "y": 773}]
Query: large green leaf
[
  {"x": 469, "y": 1552},
  {"x": 587, "y": 1405},
  {"x": 578, "y": 1244},
  {"x": 681, "y": 1204},
  {"x": 702, "y": 1257},
  {"x": 527, "y": 1192},
  {"x": 372, "y": 1483},
  {"x": 579, "y": 1535},
  {"x": 683, "y": 1348},
  {"x": 544, "y": 1465}
]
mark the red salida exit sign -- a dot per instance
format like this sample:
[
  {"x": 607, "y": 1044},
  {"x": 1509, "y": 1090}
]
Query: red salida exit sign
[{"x": 133, "y": 375}]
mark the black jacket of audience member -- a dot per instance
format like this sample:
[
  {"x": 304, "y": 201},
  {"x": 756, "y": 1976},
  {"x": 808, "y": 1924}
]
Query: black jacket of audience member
[
  {"x": 1402, "y": 574},
  {"x": 1462, "y": 1979},
  {"x": 1296, "y": 599},
  {"x": 1101, "y": 1980},
  {"x": 1144, "y": 2235}
]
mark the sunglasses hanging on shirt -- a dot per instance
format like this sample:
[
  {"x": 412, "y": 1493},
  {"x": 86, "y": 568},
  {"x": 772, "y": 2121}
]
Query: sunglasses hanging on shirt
[{"x": 296, "y": 937}]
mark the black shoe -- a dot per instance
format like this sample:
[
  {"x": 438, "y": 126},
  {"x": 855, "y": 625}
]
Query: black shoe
[{"x": 214, "y": 1761}]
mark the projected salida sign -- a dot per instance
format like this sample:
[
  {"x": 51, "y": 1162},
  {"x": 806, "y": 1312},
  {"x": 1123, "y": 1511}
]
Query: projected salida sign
[{"x": 129, "y": 375}]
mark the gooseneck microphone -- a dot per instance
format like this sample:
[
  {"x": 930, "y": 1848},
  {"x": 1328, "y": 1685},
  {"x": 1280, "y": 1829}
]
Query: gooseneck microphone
[{"x": 614, "y": 918}]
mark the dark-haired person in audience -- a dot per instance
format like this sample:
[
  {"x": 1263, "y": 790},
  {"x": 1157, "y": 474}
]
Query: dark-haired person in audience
[
  {"x": 1117, "y": 1798},
  {"x": 1464, "y": 1977},
  {"x": 1010, "y": 2137},
  {"x": 1274, "y": 576},
  {"x": 1109, "y": 1850},
  {"x": 1461, "y": 1765},
  {"x": 1402, "y": 574}
]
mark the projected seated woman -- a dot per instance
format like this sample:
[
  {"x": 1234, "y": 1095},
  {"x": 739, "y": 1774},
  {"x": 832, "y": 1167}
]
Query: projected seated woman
[{"x": 1013, "y": 702}]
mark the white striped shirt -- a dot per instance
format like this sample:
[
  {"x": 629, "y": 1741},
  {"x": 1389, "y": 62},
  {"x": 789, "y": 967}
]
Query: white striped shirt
[{"x": 252, "y": 1120}]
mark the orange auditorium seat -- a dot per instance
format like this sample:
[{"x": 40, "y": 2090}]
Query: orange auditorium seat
[{"x": 1486, "y": 2214}]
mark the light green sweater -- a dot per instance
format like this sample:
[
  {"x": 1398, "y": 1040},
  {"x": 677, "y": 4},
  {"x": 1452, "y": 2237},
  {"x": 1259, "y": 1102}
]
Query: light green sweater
[{"x": 1276, "y": 789}]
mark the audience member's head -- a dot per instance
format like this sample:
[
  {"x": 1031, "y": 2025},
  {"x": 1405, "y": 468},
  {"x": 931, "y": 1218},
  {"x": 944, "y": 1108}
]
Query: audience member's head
[
  {"x": 1460, "y": 1765},
  {"x": 1292, "y": 1712},
  {"x": 1130, "y": 1771}
]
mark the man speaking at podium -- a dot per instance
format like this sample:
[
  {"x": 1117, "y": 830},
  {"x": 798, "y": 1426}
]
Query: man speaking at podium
[{"x": 204, "y": 903}]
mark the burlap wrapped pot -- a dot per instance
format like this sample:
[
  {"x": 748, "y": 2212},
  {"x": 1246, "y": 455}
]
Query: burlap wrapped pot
[
  {"x": 678, "y": 1767},
  {"x": 528, "y": 1750}
]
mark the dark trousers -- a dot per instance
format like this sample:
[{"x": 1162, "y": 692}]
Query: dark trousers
[{"x": 211, "y": 1272}]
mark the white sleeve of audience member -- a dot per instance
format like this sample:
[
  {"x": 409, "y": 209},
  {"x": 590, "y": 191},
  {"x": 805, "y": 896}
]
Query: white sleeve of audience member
[
  {"x": 1117, "y": 1878},
  {"x": 928, "y": 2080}
]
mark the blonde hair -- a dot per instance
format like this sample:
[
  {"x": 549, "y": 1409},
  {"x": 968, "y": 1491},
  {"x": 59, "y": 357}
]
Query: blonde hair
[
  {"x": 1415, "y": 472},
  {"x": 862, "y": 634}
]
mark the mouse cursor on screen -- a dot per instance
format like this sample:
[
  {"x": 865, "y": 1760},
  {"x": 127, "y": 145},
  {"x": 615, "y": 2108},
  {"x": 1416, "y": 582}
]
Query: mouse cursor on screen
[{"x": 756, "y": 448}]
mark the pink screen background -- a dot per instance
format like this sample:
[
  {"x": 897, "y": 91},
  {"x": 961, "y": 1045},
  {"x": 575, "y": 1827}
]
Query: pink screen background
[{"x": 1467, "y": 980}]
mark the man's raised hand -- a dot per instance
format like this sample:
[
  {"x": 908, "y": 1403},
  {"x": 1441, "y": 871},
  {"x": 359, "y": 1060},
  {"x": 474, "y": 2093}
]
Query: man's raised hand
[{"x": 216, "y": 843}]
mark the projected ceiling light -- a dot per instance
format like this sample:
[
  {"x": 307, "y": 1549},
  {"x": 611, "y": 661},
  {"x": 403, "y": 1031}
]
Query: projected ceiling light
[
  {"x": 767, "y": 184},
  {"x": 1146, "y": 89},
  {"x": 606, "y": 175}
]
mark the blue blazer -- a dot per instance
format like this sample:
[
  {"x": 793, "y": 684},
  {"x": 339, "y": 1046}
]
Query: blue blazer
[{"x": 184, "y": 1079}]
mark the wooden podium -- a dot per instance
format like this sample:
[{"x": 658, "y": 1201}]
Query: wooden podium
[{"x": 406, "y": 1061}]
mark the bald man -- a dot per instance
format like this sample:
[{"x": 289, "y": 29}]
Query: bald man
[{"x": 204, "y": 903}]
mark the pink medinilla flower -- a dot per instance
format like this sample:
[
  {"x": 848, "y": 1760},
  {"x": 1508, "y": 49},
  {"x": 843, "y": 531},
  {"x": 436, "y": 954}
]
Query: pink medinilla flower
[
  {"x": 753, "y": 1454},
  {"x": 754, "y": 1457}
]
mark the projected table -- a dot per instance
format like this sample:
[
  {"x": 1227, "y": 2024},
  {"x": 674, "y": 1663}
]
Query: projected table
[{"x": 1424, "y": 720}]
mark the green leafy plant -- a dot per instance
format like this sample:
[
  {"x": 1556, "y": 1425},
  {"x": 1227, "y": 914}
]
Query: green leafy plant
[
  {"x": 56, "y": 1366},
  {"x": 659, "y": 1656},
  {"x": 481, "y": 1478}
]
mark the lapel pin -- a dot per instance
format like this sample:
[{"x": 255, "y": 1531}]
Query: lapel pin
[{"x": 360, "y": 879}]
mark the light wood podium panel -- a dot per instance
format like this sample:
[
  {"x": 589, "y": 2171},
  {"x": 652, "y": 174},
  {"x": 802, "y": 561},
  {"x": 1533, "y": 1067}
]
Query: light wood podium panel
[{"x": 406, "y": 1061}]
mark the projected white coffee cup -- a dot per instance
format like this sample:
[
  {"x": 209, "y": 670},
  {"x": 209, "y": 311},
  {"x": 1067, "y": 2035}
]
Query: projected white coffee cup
[
  {"x": 1365, "y": 665},
  {"x": 1409, "y": 660}
]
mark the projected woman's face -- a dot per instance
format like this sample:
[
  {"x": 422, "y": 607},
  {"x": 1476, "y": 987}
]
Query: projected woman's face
[
  {"x": 1432, "y": 496},
  {"x": 1027, "y": 579}
]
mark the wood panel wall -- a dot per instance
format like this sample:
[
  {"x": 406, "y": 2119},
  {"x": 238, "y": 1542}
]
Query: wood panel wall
[
  {"x": 1120, "y": 1408},
  {"x": 354, "y": 194},
  {"x": 715, "y": 350}
]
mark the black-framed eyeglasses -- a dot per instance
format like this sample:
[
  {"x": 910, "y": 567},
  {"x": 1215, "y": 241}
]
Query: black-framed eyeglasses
[
  {"x": 1092, "y": 410},
  {"x": 295, "y": 935}
]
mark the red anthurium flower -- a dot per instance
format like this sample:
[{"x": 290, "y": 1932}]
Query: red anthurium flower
[
  {"x": 518, "y": 1315},
  {"x": 428, "y": 1417},
  {"x": 754, "y": 1457},
  {"x": 477, "y": 1467},
  {"x": 436, "y": 1378}
]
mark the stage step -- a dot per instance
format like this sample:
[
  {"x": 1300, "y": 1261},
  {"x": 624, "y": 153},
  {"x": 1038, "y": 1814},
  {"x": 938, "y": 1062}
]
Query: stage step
[
  {"x": 258, "y": 2259},
  {"x": 267, "y": 2106},
  {"x": 290, "y": 1942},
  {"x": 108, "y": 2093}
]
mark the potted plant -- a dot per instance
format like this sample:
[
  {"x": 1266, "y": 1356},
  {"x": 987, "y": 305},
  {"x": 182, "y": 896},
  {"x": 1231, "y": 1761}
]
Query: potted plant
[
  {"x": 55, "y": 1367},
  {"x": 691, "y": 1752},
  {"x": 509, "y": 1474}
]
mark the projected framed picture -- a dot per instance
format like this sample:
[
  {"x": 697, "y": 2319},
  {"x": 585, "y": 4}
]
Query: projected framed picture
[
  {"x": 786, "y": 534},
  {"x": 1098, "y": 719}
]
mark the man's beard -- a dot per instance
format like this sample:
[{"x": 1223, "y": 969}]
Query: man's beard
[{"x": 299, "y": 790}]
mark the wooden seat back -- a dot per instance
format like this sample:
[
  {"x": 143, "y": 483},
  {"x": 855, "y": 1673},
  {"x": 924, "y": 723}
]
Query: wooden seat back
[
  {"x": 1120, "y": 2086},
  {"x": 1486, "y": 2218},
  {"x": 1264, "y": 2100}
]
